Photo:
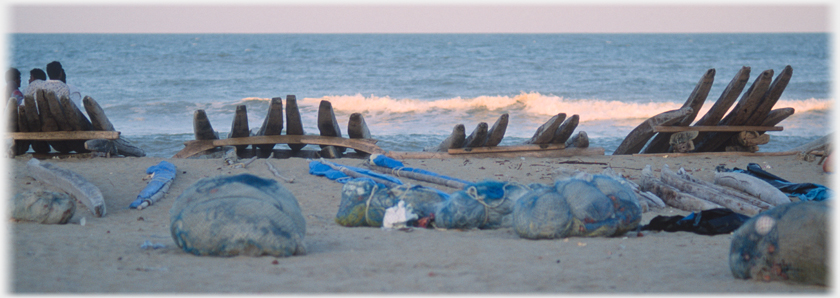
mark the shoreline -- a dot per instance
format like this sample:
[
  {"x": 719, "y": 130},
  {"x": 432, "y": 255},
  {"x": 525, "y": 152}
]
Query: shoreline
[{"x": 104, "y": 255}]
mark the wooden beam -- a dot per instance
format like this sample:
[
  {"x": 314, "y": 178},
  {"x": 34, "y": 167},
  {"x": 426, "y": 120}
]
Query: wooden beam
[
  {"x": 364, "y": 145},
  {"x": 65, "y": 135},
  {"x": 716, "y": 128},
  {"x": 517, "y": 148},
  {"x": 591, "y": 151}
]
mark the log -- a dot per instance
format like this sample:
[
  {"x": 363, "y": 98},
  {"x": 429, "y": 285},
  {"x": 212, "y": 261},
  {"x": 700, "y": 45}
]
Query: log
[
  {"x": 753, "y": 186},
  {"x": 771, "y": 97},
  {"x": 119, "y": 146},
  {"x": 660, "y": 142},
  {"x": 272, "y": 124},
  {"x": 733, "y": 203},
  {"x": 57, "y": 112},
  {"x": 724, "y": 128},
  {"x": 726, "y": 99},
  {"x": 516, "y": 148},
  {"x": 65, "y": 114},
  {"x": 30, "y": 112},
  {"x": 739, "y": 114},
  {"x": 728, "y": 191},
  {"x": 97, "y": 116},
  {"x": 670, "y": 195},
  {"x": 48, "y": 122},
  {"x": 14, "y": 125},
  {"x": 638, "y": 137},
  {"x": 239, "y": 127},
  {"x": 455, "y": 140},
  {"x": 478, "y": 137},
  {"x": 65, "y": 135},
  {"x": 77, "y": 119},
  {"x": 202, "y": 128},
  {"x": 579, "y": 140},
  {"x": 327, "y": 124},
  {"x": 357, "y": 128},
  {"x": 545, "y": 132},
  {"x": 562, "y": 134},
  {"x": 776, "y": 116},
  {"x": 69, "y": 182},
  {"x": 294, "y": 126},
  {"x": 497, "y": 132}
]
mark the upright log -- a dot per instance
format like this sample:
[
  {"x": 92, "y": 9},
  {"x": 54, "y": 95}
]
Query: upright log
[
  {"x": 357, "y": 128},
  {"x": 294, "y": 126},
  {"x": 30, "y": 115},
  {"x": 272, "y": 124},
  {"x": 478, "y": 137},
  {"x": 202, "y": 128},
  {"x": 770, "y": 97},
  {"x": 99, "y": 121},
  {"x": 661, "y": 141},
  {"x": 327, "y": 124},
  {"x": 497, "y": 132},
  {"x": 48, "y": 122},
  {"x": 579, "y": 140},
  {"x": 724, "y": 102},
  {"x": 239, "y": 127},
  {"x": 565, "y": 130},
  {"x": 545, "y": 132},
  {"x": 454, "y": 140}
]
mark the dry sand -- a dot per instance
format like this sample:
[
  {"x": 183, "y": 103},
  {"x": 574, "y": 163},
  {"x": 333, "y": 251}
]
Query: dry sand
[{"x": 104, "y": 255}]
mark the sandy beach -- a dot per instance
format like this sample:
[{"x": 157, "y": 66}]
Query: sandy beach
[{"x": 105, "y": 256}]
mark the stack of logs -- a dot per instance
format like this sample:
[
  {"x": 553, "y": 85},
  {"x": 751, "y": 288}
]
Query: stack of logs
[
  {"x": 755, "y": 108},
  {"x": 738, "y": 192},
  {"x": 557, "y": 130},
  {"x": 45, "y": 112}
]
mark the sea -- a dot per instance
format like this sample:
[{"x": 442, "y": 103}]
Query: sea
[{"x": 412, "y": 89}]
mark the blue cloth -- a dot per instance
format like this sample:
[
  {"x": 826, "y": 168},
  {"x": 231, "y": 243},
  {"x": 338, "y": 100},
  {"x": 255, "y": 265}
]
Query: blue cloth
[
  {"x": 164, "y": 172},
  {"x": 318, "y": 168}
]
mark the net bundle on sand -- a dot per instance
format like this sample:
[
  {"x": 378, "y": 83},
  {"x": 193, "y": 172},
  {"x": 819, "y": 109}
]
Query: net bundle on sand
[
  {"x": 363, "y": 201},
  {"x": 589, "y": 206},
  {"x": 238, "y": 215},
  {"x": 786, "y": 243},
  {"x": 484, "y": 205}
]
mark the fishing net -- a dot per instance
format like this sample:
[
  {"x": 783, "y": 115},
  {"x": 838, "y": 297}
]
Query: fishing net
[
  {"x": 44, "y": 207},
  {"x": 238, "y": 215},
  {"x": 484, "y": 205},
  {"x": 363, "y": 202},
  {"x": 589, "y": 206},
  {"x": 788, "y": 242}
]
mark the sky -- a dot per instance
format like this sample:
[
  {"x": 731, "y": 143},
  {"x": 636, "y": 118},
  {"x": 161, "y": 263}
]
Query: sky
[{"x": 436, "y": 16}]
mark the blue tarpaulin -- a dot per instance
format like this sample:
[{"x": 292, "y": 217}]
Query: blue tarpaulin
[{"x": 164, "y": 172}]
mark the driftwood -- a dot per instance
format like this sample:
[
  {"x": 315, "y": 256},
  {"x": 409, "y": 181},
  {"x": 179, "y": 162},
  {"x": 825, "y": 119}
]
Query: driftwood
[
  {"x": 642, "y": 196},
  {"x": 579, "y": 140},
  {"x": 70, "y": 182},
  {"x": 478, "y": 137},
  {"x": 753, "y": 186},
  {"x": 360, "y": 145},
  {"x": 489, "y": 153},
  {"x": 671, "y": 195},
  {"x": 455, "y": 140},
  {"x": 698, "y": 190},
  {"x": 100, "y": 122},
  {"x": 277, "y": 173},
  {"x": 48, "y": 121},
  {"x": 497, "y": 131},
  {"x": 545, "y": 133},
  {"x": 728, "y": 191},
  {"x": 660, "y": 142},
  {"x": 272, "y": 124},
  {"x": 638, "y": 137},
  {"x": 771, "y": 97},
  {"x": 562, "y": 134}
]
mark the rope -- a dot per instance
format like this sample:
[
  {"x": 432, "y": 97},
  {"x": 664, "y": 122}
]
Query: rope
[{"x": 367, "y": 203}]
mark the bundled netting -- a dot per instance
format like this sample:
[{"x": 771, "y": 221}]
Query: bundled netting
[
  {"x": 363, "y": 202},
  {"x": 590, "y": 206},
  {"x": 43, "y": 206},
  {"x": 238, "y": 215},
  {"x": 484, "y": 205},
  {"x": 788, "y": 243}
]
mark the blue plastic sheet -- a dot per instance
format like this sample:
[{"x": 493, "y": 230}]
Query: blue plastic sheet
[
  {"x": 164, "y": 172},
  {"x": 384, "y": 161}
]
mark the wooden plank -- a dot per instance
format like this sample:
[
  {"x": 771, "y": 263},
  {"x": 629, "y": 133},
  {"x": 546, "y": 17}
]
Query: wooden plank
[
  {"x": 65, "y": 135},
  {"x": 517, "y": 148},
  {"x": 568, "y": 152},
  {"x": 363, "y": 145},
  {"x": 725, "y": 128}
]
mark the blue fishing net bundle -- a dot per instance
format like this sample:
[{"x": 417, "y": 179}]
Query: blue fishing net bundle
[
  {"x": 238, "y": 215},
  {"x": 363, "y": 201},
  {"x": 595, "y": 206},
  {"x": 484, "y": 205}
]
